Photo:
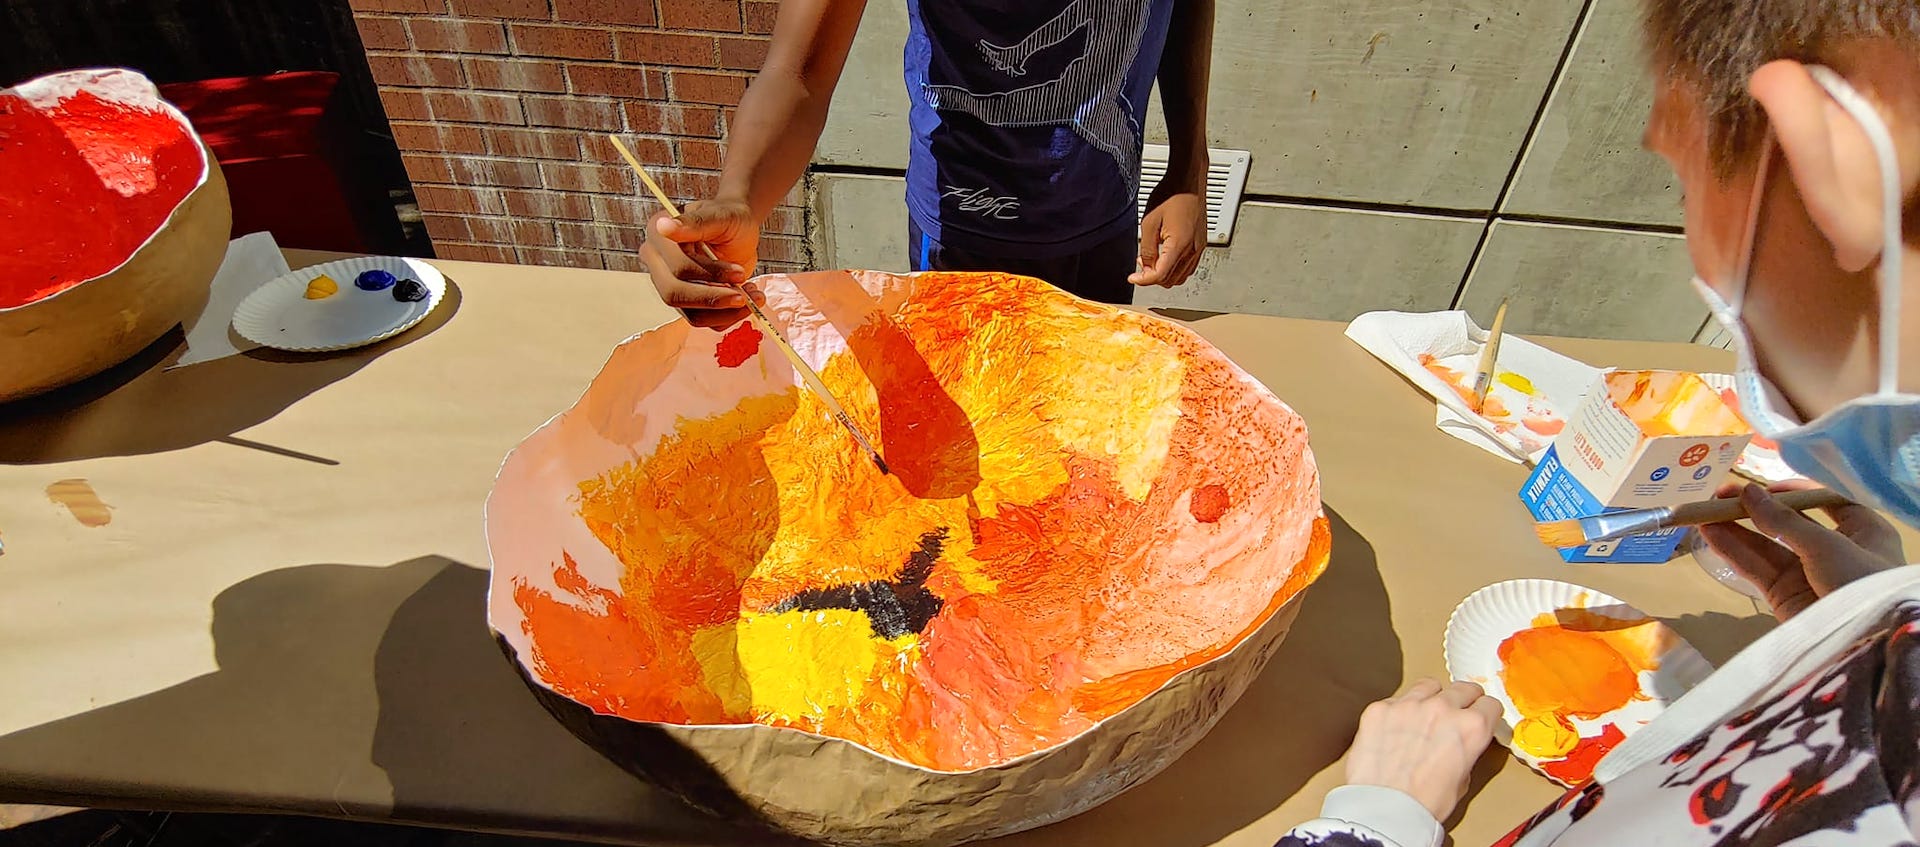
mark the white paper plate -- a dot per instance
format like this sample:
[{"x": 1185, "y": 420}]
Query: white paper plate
[
  {"x": 1491, "y": 615},
  {"x": 279, "y": 315}
]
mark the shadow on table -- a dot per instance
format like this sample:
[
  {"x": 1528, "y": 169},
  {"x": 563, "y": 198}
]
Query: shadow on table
[
  {"x": 334, "y": 682},
  {"x": 139, "y": 407},
  {"x": 1719, "y": 636},
  {"x": 1294, "y": 720}
]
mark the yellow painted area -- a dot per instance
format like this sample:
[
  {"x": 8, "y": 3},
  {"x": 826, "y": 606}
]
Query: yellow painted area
[
  {"x": 1144, "y": 396},
  {"x": 1545, "y": 736},
  {"x": 1673, "y": 403},
  {"x": 805, "y": 666},
  {"x": 716, "y": 649},
  {"x": 322, "y": 287},
  {"x": 1516, "y": 382}
]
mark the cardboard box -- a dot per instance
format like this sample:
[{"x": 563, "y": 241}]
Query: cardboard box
[{"x": 1642, "y": 439}]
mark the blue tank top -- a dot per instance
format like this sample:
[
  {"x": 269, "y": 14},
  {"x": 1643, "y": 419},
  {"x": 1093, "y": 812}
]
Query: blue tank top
[{"x": 1027, "y": 118}]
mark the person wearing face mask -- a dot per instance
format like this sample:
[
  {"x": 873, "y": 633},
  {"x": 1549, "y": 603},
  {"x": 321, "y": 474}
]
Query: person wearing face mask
[{"x": 1794, "y": 127}]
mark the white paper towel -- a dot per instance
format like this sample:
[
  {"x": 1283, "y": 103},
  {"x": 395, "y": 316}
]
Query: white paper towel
[
  {"x": 252, "y": 260},
  {"x": 1409, "y": 341}
]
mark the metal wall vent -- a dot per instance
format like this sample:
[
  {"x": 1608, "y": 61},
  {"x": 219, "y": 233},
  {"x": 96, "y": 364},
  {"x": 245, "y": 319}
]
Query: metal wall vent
[{"x": 1226, "y": 182}]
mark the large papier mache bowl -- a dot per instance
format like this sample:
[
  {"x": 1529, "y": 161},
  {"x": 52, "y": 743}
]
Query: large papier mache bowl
[
  {"x": 148, "y": 266},
  {"x": 1096, "y": 531}
]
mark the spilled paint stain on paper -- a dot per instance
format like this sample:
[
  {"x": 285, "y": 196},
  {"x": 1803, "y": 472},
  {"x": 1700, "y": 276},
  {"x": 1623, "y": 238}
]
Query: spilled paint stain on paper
[
  {"x": 1086, "y": 502},
  {"x": 1576, "y": 664},
  {"x": 1514, "y": 405},
  {"x": 81, "y": 501}
]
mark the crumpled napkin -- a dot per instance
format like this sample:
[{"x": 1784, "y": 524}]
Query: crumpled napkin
[
  {"x": 1535, "y": 390},
  {"x": 1439, "y": 351},
  {"x": 252, "y": 260}
]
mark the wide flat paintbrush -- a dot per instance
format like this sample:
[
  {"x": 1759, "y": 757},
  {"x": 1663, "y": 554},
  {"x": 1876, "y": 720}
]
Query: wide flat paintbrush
[
  {"x": 800, "y": 366},
  {"x": 1575, "y": 533}
]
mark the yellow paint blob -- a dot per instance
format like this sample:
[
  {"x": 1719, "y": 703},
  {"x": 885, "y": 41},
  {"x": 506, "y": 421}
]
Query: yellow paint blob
[
  {"x": 1547, "y": 736},
  {"x": 322, "y": 287},
  {"x": 802, "y": 666},
  {"x": 1516, "y": 382}
]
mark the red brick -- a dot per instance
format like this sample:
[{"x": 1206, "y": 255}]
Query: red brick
[
  {"x": 575, "y": 113},
  {"x": 525, "y": 9},
  {"x": 474, "y": 252},
  {"x": 534, "y": 143},
  {"x": 666, "y": 48},
  {"x": 592, "y": 236},
  {"x": 550, "y": 204},
  {"x": 427, "y": 168},
  {"x": 475, "y": 107},
  {"x": 419, "y": 7},
  {"x": 439, "y": 138},
  {"x": 382, "y": 33},
  {"x": 629, "y": 211},
  {"x": 743, "y": 54},
  {"x": 592, "y": 179},
  {"x": 617, "y": 12},
  {"x": 459, "y": 200},
  {"x": 715, "y": 15},
  {"x": 652, "y": 152},
  {"x": 760, "y": 17},
  {"x": 561, "y": 258},
  {"x": 706, "y": 155},
  {"x": 782, "y": 248},
  {"x": 566, "y": 42},
  {"x": 524, "y": 233},
  {"x": 507, "y": 173},
  {"x": 516, "y": 75},
  {"x": 687, "y": 186},
  {"x": 618, "y": 81},
  {"x": 718, "y": 89},
  {"x": 448, "y": 227},
  {"x": 403, "y": 104},
  {"x": 446, "y": 35},
  {"x": 419, "y": 71},
  {"x": 673, "y": 119},
  {"x": 628, "y": 262},
  {"x": 786, "y": 220}
]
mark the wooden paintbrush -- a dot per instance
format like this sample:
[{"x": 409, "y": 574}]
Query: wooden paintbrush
[
  {"x": 1584, "y": 531},
  {"x": 1489, "y": 359},
  {"x": 800, "y": 366}
]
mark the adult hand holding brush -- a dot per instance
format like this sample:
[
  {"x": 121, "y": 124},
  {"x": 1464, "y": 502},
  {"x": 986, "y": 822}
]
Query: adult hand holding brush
[{"x": 1796, "y": 560}]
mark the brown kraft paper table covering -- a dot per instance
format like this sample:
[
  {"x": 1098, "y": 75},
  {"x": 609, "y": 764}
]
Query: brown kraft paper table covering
[{"x": 286, "y": 611}]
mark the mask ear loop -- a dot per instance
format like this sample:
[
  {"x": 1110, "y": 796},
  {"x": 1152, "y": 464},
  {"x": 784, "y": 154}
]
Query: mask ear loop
[
  {"x": 1738, "y": 302},
  {"x": 1892, "y": 244}
]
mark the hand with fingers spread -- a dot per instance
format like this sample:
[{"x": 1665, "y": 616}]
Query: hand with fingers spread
[
  {"x": 1424, "y": 742},
  {"x": 1172, "y": 236},
  {"x": 1793, "y": 558},
  {"x": 703, "y": 288}
]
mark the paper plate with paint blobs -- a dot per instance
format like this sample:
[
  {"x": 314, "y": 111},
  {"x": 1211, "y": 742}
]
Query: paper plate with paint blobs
[
  {"x": 340, "y": 305},
  {"x": 1577, "y": 671}
]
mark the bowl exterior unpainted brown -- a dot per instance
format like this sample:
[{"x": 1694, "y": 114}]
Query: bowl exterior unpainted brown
[
  {"x": 104, "y": 321},
  {"x": 836, "y": 792}
]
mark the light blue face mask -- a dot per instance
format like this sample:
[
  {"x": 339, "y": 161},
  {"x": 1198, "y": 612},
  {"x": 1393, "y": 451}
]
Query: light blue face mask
[{"x": 1867, "y": 448}]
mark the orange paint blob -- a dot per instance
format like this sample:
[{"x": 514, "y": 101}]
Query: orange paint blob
[
  {"x": 1046, "y": 554},
  {"x": 1545, "y": 425},
  {"x": 81, "y": 501},
  {"x": 1557, "y": 671}
]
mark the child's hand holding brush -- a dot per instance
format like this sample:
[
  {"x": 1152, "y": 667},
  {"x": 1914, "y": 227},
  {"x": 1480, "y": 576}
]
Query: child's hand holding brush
[{"x": 1793, "y": 558}]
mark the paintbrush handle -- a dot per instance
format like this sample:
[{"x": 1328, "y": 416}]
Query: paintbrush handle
[{"x": 1731, "y": 509}]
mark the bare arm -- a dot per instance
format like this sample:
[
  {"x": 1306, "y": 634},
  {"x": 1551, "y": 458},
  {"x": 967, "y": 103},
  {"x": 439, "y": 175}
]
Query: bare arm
[
  {"x": 1183, "y": 92},
  {"x": 784, "y": 110},
  {"x": 1174, "y": 233}
]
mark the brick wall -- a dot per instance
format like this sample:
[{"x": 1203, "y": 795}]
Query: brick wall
[{"x": 500, "y": 109}]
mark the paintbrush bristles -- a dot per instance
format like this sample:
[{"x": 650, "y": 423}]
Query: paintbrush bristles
[{"x": 1560, "y": 534}]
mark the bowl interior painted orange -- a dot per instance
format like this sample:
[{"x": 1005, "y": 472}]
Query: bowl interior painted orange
[{"x": 1084, "y": 503}]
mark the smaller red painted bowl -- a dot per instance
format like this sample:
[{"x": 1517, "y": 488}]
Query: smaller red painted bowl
[{"x": 113, "y": 233}]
